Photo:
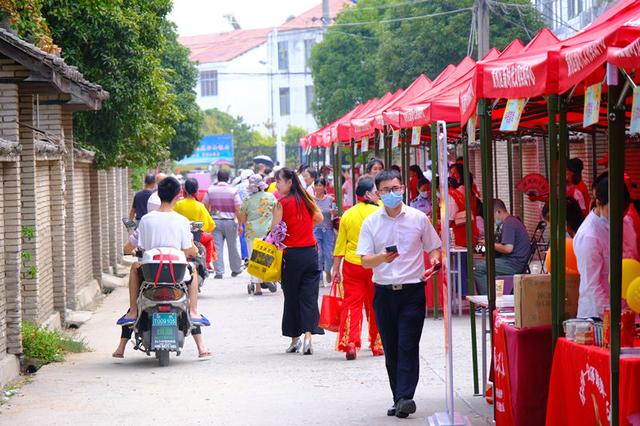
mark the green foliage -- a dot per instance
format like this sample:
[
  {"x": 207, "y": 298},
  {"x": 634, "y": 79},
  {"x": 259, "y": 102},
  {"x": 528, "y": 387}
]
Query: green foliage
[
  {"x": 45, "y": 346},
  {"x": 247, "y": 143},
  {"x": 41, "y": 344},
  {"x": 28, "y": 232},
  {"x": 131, "y": 49},
  {"x": 291, "y": 141},
  {"x": 356, "y": 63}
]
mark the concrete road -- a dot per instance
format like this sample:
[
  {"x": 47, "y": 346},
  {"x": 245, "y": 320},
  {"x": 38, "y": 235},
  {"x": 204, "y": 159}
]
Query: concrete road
[{"x": 248, "y": 381}]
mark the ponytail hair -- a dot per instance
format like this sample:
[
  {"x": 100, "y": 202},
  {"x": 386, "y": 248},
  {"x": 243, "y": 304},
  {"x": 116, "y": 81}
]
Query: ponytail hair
[{"x": 302, "y": 197}]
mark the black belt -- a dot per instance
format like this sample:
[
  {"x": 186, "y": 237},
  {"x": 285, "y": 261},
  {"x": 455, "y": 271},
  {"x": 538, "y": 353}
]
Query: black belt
[
  {"x": 223, "y": 218},
  {"x": 397, "y": 287}
]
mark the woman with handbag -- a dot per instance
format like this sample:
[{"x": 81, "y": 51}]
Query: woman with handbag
[
  {"x": 324, "y": 232},
  {"x": 357, "y": 281},
  {"x": 300, "y": 271},
  {"x": 256, "y": 214}
]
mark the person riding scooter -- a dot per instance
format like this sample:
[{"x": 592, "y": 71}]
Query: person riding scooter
[{"x": 164, "y": 228}]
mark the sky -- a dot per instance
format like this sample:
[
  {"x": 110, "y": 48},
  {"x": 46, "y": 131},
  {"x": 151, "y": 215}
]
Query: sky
[{"x": 207, "y": 16}]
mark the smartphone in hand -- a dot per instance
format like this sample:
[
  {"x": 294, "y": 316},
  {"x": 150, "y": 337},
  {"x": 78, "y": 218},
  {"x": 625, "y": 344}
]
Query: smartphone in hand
[{"x": 391, "y": 249}]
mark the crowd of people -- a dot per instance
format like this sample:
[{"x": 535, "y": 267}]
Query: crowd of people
[{"x": 381, "y": 251}]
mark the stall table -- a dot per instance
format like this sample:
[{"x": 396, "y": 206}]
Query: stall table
[
  {"x": 579, "y": 386},
  {"x": 522, "y": 366}
]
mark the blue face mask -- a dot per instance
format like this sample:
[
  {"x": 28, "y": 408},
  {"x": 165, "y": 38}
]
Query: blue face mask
[
  {"x": 424, "y": 194},
  {"x": 498, "y": 222},
  {"x": 392, "y": 200},
  {"x": 604, "y": 221}
]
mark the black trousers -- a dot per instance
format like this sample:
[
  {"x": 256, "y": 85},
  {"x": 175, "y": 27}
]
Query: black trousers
[
  {"x": 300, "y": 277},
  {"x": 400, "y": 317}
]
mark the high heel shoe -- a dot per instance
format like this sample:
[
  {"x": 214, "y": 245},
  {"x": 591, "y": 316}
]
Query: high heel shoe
[
  {"x": 308, "y": 349},
  {"x": 294, "y": 347}
]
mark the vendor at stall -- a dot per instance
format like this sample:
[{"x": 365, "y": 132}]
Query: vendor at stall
[
  {"x": 591, "y": 247},
  {"x": 512, "y": 247}
]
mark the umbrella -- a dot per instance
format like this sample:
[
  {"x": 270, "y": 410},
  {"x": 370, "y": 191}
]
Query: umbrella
[{"x": 263, "y": 159}]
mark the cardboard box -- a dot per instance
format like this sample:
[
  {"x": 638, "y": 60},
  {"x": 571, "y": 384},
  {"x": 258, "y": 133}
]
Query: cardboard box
[{"x": 533, "y": 299}]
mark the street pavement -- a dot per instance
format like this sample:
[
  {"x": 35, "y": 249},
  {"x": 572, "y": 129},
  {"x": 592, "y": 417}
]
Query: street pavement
[{"x": 248, "y": 381}]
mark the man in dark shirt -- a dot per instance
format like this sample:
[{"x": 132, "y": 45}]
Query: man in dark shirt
[
  {"x": 512, "y": 248},
  {"x": 139, "y": 207}
]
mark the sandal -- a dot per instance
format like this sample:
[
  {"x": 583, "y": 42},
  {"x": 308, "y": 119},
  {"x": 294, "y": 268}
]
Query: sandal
[
  {"x": 201, "y": 321},
  {"x": 205, "y": 355},
  {"x": 123, "y": 320},
  {"x": 117, "y": 355}
]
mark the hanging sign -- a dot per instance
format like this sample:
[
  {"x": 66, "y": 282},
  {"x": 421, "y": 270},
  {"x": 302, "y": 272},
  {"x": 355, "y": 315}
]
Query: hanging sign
[
  {"x": 335, "y": 147},
  {"x": 415, "y": 135},
  {"x": 512, "y": 114},
  {"x": 592, "y": 104},
  {"x": 381, "y": 136},
  {"x": 635, "y": 112},
  {"x": 365, "y": 144},
  {"x": 395, "y": 139},
  {"x": 471, "y": 129}
]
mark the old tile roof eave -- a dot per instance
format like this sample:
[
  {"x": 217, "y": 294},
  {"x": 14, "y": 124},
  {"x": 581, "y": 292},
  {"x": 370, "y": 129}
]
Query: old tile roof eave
[{"x": 65, "y": 78}]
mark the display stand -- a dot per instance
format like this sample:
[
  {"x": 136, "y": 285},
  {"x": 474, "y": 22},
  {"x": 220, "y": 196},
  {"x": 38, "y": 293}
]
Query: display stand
[{"x": 448, "y": 417}]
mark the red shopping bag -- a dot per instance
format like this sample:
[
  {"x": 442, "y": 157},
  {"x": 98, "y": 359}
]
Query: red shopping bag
[{"x": 331, "y": 308}]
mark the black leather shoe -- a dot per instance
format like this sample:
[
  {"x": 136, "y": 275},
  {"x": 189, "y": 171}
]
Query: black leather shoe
[
  {"x": 391, "y": 411},
  {"x": 218, "y": 277},
  {"x": 404, "y": 407}
]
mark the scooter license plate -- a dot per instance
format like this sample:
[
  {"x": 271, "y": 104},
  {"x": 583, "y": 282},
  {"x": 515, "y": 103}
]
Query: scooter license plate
[
  {"x": 163, "y": 330},
  {"x": 161, "y": 319}
]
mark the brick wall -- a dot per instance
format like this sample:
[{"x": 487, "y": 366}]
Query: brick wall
[
  {"x": 44, "y": 295},
  {"x": 82, "y": 222}
]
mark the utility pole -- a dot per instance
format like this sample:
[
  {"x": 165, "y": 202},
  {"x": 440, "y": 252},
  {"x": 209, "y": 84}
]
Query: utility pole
[
  {"x": 482, "y": 18},
  {"x": 326, "y": 14}
]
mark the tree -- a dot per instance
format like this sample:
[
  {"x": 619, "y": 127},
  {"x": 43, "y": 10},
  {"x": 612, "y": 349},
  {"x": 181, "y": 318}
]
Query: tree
[
  {"x": 292, "y": 145},
  {"x": 342, "y": 65},
  {"x": 131, "y": 49},
  {"x": 356, "y": 63},
  {"x": 247, "y": 143},
  {"x": 183, "y": 76}
]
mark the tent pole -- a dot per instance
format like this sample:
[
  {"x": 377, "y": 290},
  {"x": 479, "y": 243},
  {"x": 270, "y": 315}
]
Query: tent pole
[
  {"x": 510, "y": 172},
  {"x": 521, "y": 195},
  {"x": 353, "y": 171},
  {"x": 563, "y": 144},
  {"x": 434, "y": 205},
  {"x": 470, "y": 282},
  {"x": 337, "y": 177},
  {"x": 546, "y": 156},
  {"x": 486, "y": 148},
  {"x": 552, "y": 105},
  {"x": 376, "y": 147},
  {"x": 594, "y": 157},
  {"x": 403, "y": 164},
  {"x": 616, "y": 200}
]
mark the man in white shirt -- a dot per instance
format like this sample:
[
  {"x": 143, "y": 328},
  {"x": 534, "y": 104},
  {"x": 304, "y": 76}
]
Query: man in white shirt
[
  {"x": 153, "y": 203},
  {"x": 392, "y": 241},
  {"x": 591, "y": 247},
  {"x": 166, "y": 228}
]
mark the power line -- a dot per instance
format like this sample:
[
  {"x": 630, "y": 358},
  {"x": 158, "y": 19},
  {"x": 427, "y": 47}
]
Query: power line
[
  {"x": 555, "y": 19},
  {"x": 408, "y": 18},
  {"x": 385, "y": 6}
]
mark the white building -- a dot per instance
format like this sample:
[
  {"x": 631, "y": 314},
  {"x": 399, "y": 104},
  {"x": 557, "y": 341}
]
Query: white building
[
  {"x": 566, "y": 17},
  {"x": 262, "y": 75}
]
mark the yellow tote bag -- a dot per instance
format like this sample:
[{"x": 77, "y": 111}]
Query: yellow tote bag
[{"x": 266, "y": 261}]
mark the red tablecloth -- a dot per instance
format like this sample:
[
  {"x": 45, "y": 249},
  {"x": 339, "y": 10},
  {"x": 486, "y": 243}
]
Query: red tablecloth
[
  {"x": 522, "y": 366},
  {"x": 579, "y": 387}
]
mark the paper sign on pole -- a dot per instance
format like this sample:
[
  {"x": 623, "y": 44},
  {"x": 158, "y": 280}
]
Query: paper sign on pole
[
  {"x": 592, "y": 98},
  {"x": 395, "y": 139},
  {"x": 512, "y": 114},
  {"x": 365, "y": 144},
  {"x": 415, "y": 135},
  {"x": 635, "y": 112},
  {"x": 381, "y": 136},
  {"x": 471, "y": 129},
  {"x": 335, "y": 147}
]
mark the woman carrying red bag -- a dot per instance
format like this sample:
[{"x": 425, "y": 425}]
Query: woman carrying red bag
[{"x": 357, "y": 281}]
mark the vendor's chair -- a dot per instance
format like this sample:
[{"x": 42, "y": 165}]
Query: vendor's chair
[{"x": 538, "y": 246}]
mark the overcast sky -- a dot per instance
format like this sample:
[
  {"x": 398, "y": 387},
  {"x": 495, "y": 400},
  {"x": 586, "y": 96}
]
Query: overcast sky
[{"x": 207, "y": 16}]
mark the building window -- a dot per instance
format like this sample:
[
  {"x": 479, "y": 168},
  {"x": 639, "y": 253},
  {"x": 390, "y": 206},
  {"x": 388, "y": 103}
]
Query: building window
[
  {"x": 308, "y": 45},
  {"x": 283, "y": 55},
  {"x": 309, "y": 98},
  {"x": 285, "y": 101},
  {"x": 209, "y": 83}
]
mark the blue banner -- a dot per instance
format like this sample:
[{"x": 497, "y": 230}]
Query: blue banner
[{"x": 212, "y": 149}]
